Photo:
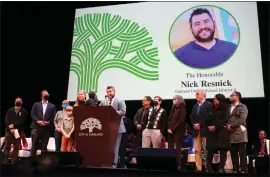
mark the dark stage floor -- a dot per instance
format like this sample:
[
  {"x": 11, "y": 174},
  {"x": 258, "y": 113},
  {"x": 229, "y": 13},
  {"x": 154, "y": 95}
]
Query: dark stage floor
[{"x": 70, "y": 171}]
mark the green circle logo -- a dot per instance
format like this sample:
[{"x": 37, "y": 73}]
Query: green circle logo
[{"x": 204, "y": 37}]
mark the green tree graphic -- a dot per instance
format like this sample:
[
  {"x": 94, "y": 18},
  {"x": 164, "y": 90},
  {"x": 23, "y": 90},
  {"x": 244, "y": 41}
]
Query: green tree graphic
[{"x": 103, "y": 41}]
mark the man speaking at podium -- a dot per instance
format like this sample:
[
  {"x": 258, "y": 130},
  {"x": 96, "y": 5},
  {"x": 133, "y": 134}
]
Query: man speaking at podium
[{"x": 120, "y": 107}]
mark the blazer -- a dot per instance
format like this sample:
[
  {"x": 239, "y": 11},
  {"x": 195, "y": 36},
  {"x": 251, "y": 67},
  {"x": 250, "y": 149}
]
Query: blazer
[
  {"x": 37, "y": 114},
  {"x": 257, "y": 147},
  {"x": 237, "y": 118},
  {"x": 177, "y": 117},
  {"x": 120, "y": 107},
  {"x": 200, "y": 118},
  {"x": 141, "y": 117}
]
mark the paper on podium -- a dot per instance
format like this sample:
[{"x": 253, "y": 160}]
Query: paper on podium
[
  {"x": 243, "y": 128},
  {"x": 16, "y": 134}
]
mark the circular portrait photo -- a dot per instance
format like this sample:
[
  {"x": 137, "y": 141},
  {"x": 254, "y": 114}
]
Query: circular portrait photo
[{"x": 204, "y": 37}]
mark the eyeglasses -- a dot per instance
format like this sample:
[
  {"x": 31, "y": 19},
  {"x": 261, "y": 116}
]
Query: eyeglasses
[{"x": 68, "y": 110}]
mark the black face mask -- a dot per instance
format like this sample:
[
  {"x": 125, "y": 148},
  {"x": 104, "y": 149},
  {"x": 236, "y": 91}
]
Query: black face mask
[
  {"x": 46, "y": 97},
  {"x": 155, "y": 103},
  {"x": 18, "y": 104}
]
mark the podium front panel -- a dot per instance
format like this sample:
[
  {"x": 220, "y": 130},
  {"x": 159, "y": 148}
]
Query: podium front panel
[{"x": 96, "y": 130}]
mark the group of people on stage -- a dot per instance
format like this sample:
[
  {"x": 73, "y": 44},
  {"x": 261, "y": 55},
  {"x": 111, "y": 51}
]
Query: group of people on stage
[{"x": 218, "y": 126}]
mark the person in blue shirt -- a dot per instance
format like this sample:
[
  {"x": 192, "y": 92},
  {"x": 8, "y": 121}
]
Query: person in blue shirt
[
  {"x": 187, "y": 146},
  {"x": 206, "y": 51}
]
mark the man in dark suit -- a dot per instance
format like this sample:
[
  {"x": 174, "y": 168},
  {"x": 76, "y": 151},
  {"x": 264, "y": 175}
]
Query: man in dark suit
[
  {"x": 199, "y": 114},
  {"x": 262, "y": 146},
  {"x": 42, "y": 114},
  {"x": 261, "y": 150}
]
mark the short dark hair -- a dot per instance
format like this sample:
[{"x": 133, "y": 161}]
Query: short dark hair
[
  {"x": 261, "y": 130},
  {"x": 18, "y": 97},
  {"x": 238, "y": 94},
  {"x": 188, "y": 128},
  {"x": 148, "y": 98},
  {"x": 92, "y": 94},
  {"x": 159, "y": 98},
  {"x": 111, "y": 87},
  {"x": 199, "y": 11}
]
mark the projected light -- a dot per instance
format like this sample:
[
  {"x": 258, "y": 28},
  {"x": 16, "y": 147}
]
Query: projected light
[{"x": 165, "y": 48}]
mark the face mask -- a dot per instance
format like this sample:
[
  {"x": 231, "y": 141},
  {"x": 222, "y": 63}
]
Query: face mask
[
  {"x": 155, "y": 103},
  {"x": 46, "y": 97},
  {"x": 64, "y": 106},
  {"x": 18, "y": 104},
  {"x": 231, "y": 99}
]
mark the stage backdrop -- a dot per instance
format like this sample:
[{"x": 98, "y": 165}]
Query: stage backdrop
[{"x": 148, "y": 49}]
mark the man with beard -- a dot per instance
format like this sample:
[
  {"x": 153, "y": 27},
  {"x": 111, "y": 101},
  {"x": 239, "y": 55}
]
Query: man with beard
[
  {"x": 156, "y": 125},
  {"x": 238, "y": 133},
  {"x": 206, "y": 51},
  {"x": 140, "y": 118},
  {"x": 120, "y": 107}
]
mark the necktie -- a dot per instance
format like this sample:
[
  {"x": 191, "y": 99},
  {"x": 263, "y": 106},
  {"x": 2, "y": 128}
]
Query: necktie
[
  {"x": 262, "y": 147},
  {"x": 110, "y": 102},
  {"x": 198, "y": 109}
]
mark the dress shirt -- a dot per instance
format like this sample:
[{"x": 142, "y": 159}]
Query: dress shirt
[
  {"x": 44, "y": 106},
  {"x": 233, "y": 106},
  {"x": 111, "y": 101}
]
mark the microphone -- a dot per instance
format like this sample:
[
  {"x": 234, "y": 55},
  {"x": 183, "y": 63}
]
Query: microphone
[{"x": 106, "y": 98}]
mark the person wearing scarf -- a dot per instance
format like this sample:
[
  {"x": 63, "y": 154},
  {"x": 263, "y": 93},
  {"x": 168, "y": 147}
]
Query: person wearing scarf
[
  {"x": 156, "y": 125},
  {"x": 218, "y": 138}
]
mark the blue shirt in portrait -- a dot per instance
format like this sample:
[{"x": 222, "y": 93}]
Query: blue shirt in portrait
[{"x": 197, "y": 56}]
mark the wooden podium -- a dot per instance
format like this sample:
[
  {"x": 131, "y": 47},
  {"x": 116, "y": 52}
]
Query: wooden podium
[{"x": 96, "y": 130}]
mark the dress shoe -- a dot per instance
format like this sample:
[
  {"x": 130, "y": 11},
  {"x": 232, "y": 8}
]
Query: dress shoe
[
  {"x": 183, "y": 170},
  {"x": 12, "y": 162},
  {"x": 221, "y": 170},
  {"x": 208, "y": 170},
  {"x": 123, "y": 166},
  {"x": 4, "y": 162},
  {"x": 235, "y": 171},
  {"x": 243, "y": 171}
]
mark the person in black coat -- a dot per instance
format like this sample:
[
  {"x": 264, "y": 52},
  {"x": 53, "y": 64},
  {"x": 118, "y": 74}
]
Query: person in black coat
[
  {"x": 93, "y": 100},
  {"x": 218, "y": 138},
  {"x": 15, "y": 120}
]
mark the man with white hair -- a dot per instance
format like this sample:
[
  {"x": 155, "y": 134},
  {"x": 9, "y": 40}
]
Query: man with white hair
[{"x": 199, "y": 114}]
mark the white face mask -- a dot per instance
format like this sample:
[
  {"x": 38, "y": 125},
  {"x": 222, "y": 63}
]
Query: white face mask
[{"x": 231, "y": 99}]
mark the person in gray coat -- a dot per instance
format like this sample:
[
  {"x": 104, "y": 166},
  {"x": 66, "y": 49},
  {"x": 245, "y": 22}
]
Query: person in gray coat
[
  {"x": 238, "y": 133},
  {"x": 120, "y": 107}
]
